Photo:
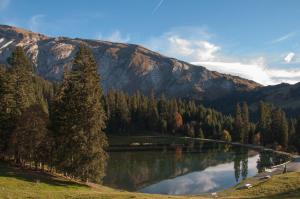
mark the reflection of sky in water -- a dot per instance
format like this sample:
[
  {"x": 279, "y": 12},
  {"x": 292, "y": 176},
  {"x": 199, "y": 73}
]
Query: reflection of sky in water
[{"x": 211, "y": 179}]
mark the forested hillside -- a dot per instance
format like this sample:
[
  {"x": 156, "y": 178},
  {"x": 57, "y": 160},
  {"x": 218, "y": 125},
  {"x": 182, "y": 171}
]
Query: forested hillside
[{"x": 66, "y": 125}]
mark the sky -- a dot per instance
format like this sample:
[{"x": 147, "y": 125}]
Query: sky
[{"x": 255, "y": 39}]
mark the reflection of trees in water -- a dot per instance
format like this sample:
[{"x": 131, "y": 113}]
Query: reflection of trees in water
[
  {"x": 134, "y": 170},
  {"x": 240, "y": 163},
  {"x": 268, "y": 159},
  {"x": 245, "y": 167},
  {"x": 265, "y": 161},
  {"x": 178, "y": 153},
  {"x": 225, "y": 147},
  {"x": 237, "y": 168}
]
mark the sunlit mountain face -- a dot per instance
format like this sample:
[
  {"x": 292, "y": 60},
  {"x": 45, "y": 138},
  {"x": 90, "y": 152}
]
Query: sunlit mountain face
[{"x": 124, "y": 67}]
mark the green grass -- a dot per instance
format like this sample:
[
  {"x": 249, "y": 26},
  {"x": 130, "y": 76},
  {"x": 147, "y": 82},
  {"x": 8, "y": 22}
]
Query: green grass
[
  {"x": 17, "y": 183},
  {"x": 278, "y": 187}
]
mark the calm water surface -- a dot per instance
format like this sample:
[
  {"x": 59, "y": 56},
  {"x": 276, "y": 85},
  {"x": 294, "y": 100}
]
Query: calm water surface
[{"x": 193, "y": 168}]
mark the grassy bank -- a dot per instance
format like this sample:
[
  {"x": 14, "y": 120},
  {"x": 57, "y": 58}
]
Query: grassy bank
[
  {"x": 278, "y": 187},
  {"x": 17, "y": 183}
]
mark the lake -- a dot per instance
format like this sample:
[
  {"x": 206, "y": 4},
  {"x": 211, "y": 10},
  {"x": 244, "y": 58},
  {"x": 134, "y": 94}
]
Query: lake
[{"x": 182, "y": 166}]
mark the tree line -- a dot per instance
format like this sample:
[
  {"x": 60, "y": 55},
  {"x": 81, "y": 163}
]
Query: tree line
[
  {"x": 64, "y": 127},
  {"x": 276, "y": 130},
  {"x": 141, "y": 115}
]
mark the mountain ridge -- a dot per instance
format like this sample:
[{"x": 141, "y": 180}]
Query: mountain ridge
[{"x": 127, "y": 67}]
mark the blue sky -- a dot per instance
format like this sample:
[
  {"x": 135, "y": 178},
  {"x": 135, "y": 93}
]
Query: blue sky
[{"x": 256, "y": 39}]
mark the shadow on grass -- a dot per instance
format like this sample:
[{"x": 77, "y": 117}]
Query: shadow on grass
[{"x": 35, "y": 176}]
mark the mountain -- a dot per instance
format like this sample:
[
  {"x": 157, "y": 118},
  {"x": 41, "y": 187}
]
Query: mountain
[
  {"x": 126, "y": 67},
  {"x": 283, "y": 95}
]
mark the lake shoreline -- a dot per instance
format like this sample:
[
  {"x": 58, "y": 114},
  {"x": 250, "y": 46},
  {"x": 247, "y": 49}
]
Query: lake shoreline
[
  {"x": 187, "y": 145},
  {"x": 148, "y": 145}
]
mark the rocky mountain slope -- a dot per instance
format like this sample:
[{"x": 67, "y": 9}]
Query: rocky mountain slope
[{"x": 126, "y": 67}]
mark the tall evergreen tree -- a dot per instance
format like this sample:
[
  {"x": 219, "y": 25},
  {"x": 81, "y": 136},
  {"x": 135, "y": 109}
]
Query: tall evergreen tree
[
  {"x": 163, "y": 114},
  {"x": 252, "y": 133},
  {"x": 79, "y": 120},
  {"x": 276, "y": 123},
  {"x": 152, "y": 116},
  {"x": 22, "y": 77},
  {"x": 5, "y": 104},
  {"x": 264, "y": 124},
  {"x": 238, "y": 125},
  {"x": 292, "y": 129},
  {"x": 120, "y": 115},
  {"x": 284, "y": 131},
  {"x": 296, "y": 137},
  {"x": 17, "y": 93},
  {"x": 29, "y": 135},
  {"x": 246, "y": 123}
]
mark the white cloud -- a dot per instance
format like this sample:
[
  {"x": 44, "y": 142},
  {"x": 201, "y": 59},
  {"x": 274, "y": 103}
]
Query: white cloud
[
  {"x": 196, "y": 50},
  {"x": 212, "y": 178},
  {"x": 289, "y": 57},
  {"x": 35, "y": 22},
  {"x": 283, "y": 38},
  {"x": 115, "y": 36},
  {"x": 194, "y": 45},
  {"x": 4, "y": 4},
  {"x": 185, "y": 43},
  {"x": 291, "y": 76},
  {"x": 254, "y": 70}
]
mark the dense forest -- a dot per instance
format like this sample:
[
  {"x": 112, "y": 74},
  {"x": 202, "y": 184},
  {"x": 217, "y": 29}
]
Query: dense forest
[{"x": 62, "y": 126}]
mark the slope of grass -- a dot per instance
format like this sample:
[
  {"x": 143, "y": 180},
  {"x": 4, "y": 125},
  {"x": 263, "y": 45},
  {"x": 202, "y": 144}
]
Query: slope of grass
[
  {"x": 17, "y": 183},
  {"x": 278, "y": 187}
]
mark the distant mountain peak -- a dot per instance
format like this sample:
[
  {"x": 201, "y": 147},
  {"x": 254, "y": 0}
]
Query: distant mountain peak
[{"x": 15, "y": 32}]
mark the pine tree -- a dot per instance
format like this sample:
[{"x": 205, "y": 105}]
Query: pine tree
[
  {"x": 284, "y": 131},
  {"x": 296, "y": 137},
  {"x": 153, "y": 117},
  {"x": 17, "y": 93},
  {"x": 246, "y": 123},
  {"x": 4, "y": 109},
  {"x": 252, "y": 132},
  {"x": 174, "y": 118},
  {"x": 264, "y": 124},
  {"x": 29, "y": 135},
  {"x": 79, "y": 120},
  {"x": 163, "y": 114},
  {"x": 238, "y": 125},
  {"x": 22, "y": 77},
  {"x": 120, "y": 117},
  {"x": 276, "y": 123},
  {"x": 292, "y": 130}
]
